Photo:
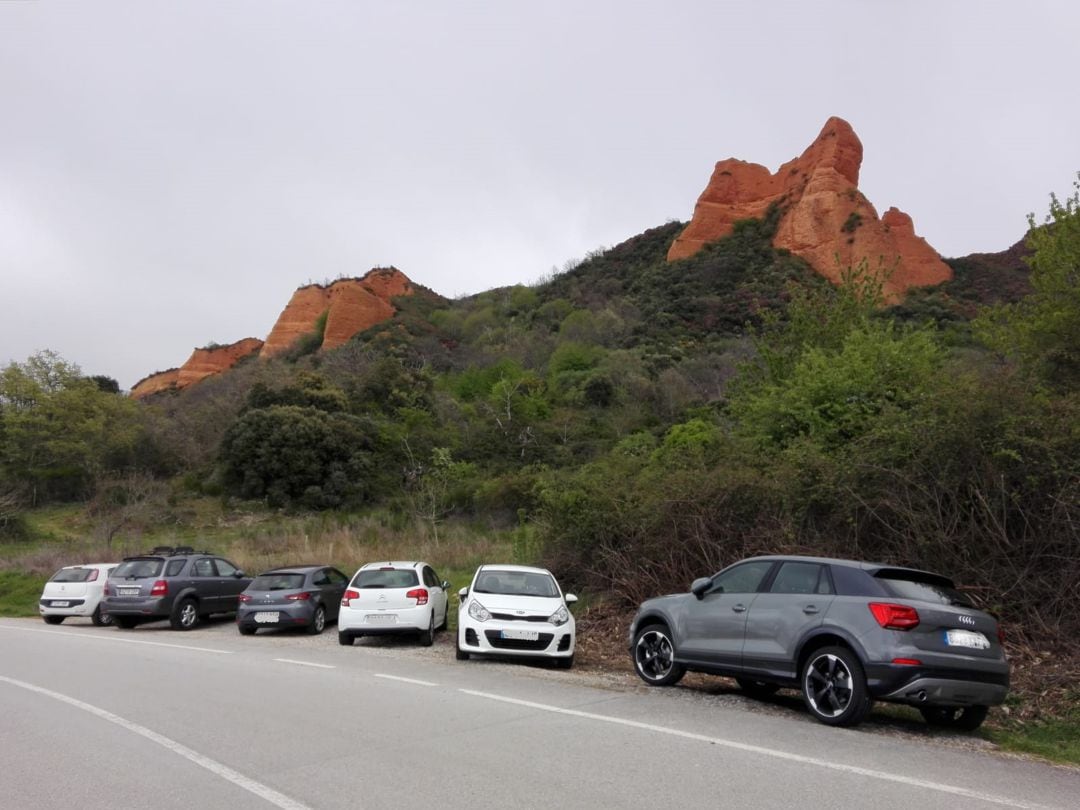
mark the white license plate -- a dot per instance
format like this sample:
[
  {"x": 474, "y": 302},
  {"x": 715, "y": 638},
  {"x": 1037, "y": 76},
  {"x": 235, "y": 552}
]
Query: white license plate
[
  {"x": 60, "y": 604},
  {"x": 521, "y": 635},
  {"x": 266, "y": 617},
  {"x": 967, "y": 638},
  {"x": 381, "y": 618},
  {"x": 127, "y": 591}
]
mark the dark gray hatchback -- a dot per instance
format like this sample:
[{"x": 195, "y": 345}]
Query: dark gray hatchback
[
  {"x": 178, "y": 584},
  {"x": 844, "y": 633},
  {"x": 305, "y": 596}
]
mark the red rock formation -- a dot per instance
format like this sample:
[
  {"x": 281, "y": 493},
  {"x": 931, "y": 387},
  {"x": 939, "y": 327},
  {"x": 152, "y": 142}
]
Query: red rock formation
[
  {"x": 206, "y": 362},
  {"x": 155, "y": 383},
  {"x": 825, "y": 220},
  {"x": 351, "y": 305}
]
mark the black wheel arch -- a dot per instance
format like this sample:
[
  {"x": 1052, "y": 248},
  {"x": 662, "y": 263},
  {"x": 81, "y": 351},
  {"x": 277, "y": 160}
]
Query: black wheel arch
[{"x": 826, "y": 637}]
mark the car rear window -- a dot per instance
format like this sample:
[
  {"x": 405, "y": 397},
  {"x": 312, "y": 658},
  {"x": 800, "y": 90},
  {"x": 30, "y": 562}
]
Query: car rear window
[
  {"x": 73, "y": 575},
  {"x": 138, "y": 569},
  {"x": 386, "y": 578},
  {"x": 516, "y": 583},
  {"x": 927, "y": 588},
  {"x": 277, "y": 582}
]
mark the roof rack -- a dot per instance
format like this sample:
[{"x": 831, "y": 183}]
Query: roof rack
[{"x": 176, "y": 550}]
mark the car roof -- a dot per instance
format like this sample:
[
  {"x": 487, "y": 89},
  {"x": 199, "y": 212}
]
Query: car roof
[
  {"x": 528, "y": 569},
  {"x": 294, "y": 569},
  {"x": 870, "y": 567},
  {"x": 93, "y": 565},
  {"x": 393, "y": 564}
]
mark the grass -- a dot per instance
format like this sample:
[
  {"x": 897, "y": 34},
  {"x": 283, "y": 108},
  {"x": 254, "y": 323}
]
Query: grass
[
  {"x": 19, "y": 593},
  {"x": 1057, "y": 740}
]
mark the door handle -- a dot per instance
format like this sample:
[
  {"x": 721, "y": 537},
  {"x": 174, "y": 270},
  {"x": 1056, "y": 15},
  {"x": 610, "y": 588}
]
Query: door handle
[
  {"x": 740, "y": 608},
  {"x": 810, "y": 609}
]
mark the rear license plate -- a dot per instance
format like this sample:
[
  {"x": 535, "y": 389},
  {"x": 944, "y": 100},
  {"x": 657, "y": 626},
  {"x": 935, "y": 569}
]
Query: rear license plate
[
  {"x": 381, "y": 618},
  {"x": 266, "y": 617},
  {"x": 967, "y": 638},
  {"x": 127, "y": 591},
  {"x": 60, "y": 603},
  {"x": 521, "y": 635}
]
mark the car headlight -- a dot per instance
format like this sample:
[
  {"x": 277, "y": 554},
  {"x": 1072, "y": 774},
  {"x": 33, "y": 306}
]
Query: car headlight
[
  {"x": 478, "y": 611},
  {"x": 560, "y": 616}
]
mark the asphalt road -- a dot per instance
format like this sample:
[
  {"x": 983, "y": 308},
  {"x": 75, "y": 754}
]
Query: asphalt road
[{"x": 105, "y": 718}]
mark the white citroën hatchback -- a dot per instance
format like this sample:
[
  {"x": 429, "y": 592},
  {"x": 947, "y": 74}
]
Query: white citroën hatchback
[{"x": 516, "y": 610}]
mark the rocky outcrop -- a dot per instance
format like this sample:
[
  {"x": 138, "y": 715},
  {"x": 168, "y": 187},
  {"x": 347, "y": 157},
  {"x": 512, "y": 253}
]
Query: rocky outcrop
[
  {"x": 156, "y": 383},
  {"x": 212, "y": 360},
  {"x": 825, "y": 218},
  {"x": 351, "y": 305}
]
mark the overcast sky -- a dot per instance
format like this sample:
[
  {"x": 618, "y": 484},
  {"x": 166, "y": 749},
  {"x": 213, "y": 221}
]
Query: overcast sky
[{"x": 171, "y": 171}]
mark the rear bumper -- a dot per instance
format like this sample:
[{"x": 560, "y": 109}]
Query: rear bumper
[
  {"x": 939, "y": 686},
  {"x": 158, "y": 607},
  {"x": 294, "y": 615},
  {"x": 75, "y": 607},
  {"x": 374, "y": 622}
]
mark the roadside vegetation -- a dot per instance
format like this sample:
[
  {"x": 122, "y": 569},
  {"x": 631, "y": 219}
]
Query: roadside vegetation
[{"x": 629, "y": 423}]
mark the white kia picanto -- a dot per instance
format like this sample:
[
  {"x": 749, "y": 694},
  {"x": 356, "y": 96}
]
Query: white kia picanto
[{"x": 516, "y": 610}]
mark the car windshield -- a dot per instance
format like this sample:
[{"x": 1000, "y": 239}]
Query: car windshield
[
  {"x": 137, "y": 569},
  {"x": 386, "y": 578},
  {"x": 72, "y": 575},
  {"x": 277, "y": 582},
  {"x": 908, "y": 586},
  {"x": 517, "y": 583}
]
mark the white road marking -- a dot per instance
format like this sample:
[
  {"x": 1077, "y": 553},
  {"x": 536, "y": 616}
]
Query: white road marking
[
  {"x": 756, "y": 749},
  {"x": 304, "y": 663},
  {"x": 218, "y": 769},
  {"x": 96, "y": 637},
  {"x": 406, "y": 680}
]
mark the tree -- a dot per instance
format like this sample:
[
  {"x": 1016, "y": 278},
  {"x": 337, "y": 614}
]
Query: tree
[{"x": 1043, "y": 330}]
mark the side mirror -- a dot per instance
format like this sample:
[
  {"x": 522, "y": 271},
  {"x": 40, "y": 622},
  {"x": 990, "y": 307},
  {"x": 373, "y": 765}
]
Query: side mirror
[
  {"x": 570, "y": 599},
  {"x": 445, "y": 585},
  {"x": 699, "y": 586},
  {"x": 463, "y": 593},
  {"x": 238, "y": 573}
]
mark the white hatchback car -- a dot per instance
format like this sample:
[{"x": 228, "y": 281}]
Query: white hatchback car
[
  {"x": 76, "y": 590},
  {"x": 516, "y": 610},
  {"x": 391, "y": 598}
]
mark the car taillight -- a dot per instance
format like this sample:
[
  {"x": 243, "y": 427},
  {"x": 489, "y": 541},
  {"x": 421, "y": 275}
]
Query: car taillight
[
  {"x": 93, "y": 575},
  {"x": 298, "y": 597},
  {"x": 907, "y": 662},
  {"x": 419, "y": 594},
  {"x": 161, "y": 588},
  {"x": 108, "y": 590},
  {"x": 244, "y": 597},
  {"x": 349, "y": 594},
  {"x": 894, "y": 617}
]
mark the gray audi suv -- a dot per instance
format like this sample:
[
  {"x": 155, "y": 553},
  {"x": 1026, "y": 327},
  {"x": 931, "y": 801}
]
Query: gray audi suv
[{"x": 844, "y": 633}]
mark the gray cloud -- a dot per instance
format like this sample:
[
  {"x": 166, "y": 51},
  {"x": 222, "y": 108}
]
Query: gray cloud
[{"x": 171, "y": 171}]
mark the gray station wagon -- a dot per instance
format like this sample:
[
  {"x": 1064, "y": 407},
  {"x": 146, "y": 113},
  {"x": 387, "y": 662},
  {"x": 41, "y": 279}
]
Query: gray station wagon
[{"x": 844, "y": 633}]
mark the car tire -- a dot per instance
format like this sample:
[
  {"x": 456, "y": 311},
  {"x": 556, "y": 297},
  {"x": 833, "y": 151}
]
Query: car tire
[
  {"x": 961, "y": 718},
  {"x": 834, "y": 687},
  {"x": 100, "y": 618},
  {"x": 654, "y": 656},
  {"x": 246, "y": 629},
  {"x": 344, "y": 639},
  {"x": 757, "y": 689},
  {"x": 318, "y": 622},
  {"x": 427, "y": 637},
  {"x": 185, "y": 615},
  {"x": 125, "y": 622},
  {"x": 54, "y": 619},
  {"x": 564, "y": 663}
]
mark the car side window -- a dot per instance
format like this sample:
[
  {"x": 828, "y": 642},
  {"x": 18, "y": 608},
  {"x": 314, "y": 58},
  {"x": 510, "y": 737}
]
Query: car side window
[
  {"x": 430, "y": 579},
  {"x": 225, "y": 568},
  {"x": 336, "y": 577},
  {"x": 174, "y": 568},
  {"x": 320, "y": 577},
  {"x": 744, "y": 578},
  {"x": 203, "y": 568},
  {"x": 801, "y": 578}
]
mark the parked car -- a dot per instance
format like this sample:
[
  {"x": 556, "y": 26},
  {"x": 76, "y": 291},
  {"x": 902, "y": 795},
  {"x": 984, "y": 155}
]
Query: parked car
[
  {"x": 392, "y": 598},
  {"x": 843, "y": 632},
  {"x": 305, "y": 596},
  {"x": 178, "y": 584},
  {"x": 516, "y": 610},
  {"x": 76, "y": 590}
]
